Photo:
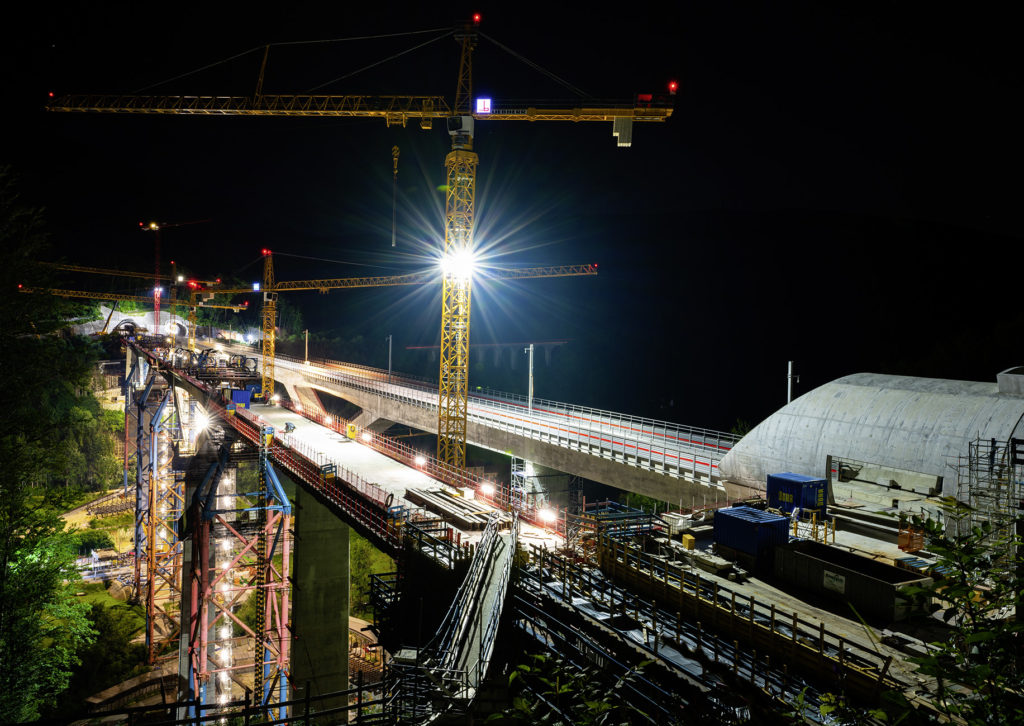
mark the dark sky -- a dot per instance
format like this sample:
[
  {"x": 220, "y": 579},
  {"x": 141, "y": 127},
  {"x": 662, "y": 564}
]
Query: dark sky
[{"x": 839, "y": 184}]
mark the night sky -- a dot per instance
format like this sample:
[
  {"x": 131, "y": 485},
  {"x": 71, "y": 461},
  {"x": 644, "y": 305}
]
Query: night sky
[{"x": 839, "y": 184}]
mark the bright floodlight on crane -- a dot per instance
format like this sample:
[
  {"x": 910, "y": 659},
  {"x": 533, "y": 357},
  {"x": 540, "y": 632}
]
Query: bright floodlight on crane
[{"x": 459, "y": 265}]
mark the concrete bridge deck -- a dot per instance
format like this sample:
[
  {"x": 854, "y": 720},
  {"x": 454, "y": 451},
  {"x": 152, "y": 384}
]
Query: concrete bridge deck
[
  {"x": 363, "y": 466},
  {"x": 660, "y": 459}
]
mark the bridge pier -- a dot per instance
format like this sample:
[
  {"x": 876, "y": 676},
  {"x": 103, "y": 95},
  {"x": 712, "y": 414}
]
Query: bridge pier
[{"x": 321, "y": 600}]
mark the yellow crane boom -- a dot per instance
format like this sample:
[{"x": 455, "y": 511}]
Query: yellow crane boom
[
  {"x": 460, "y": 165},
  {"x": 271, "y": 287}
]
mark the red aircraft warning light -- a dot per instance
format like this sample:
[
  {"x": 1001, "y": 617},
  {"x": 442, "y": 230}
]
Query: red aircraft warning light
[
  {"x": 476, "y": 18},
  {"x": 673, "y": 86}
]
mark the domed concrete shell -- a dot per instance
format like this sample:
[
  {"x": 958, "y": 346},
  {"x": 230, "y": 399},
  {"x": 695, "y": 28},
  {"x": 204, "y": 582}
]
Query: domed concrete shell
[{"x": 915, "y": 424}]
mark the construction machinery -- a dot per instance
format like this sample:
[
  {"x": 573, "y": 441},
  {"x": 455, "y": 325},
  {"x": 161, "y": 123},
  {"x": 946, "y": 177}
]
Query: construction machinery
[{"x": 460, "y": 164}]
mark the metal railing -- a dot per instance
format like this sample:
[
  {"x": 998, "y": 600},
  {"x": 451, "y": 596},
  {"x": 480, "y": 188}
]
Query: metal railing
[{"x": 646, "y": 443}]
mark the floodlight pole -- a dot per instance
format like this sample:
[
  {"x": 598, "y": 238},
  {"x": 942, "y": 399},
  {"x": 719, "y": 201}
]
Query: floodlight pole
[
  {"x": 529, "y": 395},
  {"x": 389, "y": 358},
  {"x": 789, "y": 382},
  {"x": 307, "y": 345}
]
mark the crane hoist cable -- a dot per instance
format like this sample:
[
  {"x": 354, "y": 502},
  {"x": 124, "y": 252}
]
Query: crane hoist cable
[{"x": 394, "y": 196}]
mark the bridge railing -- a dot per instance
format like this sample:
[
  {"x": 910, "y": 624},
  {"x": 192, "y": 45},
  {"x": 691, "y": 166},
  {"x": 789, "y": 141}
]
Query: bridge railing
[
  {"x": 601, "y": 439},
  {"x": 647, "y": 443},
  {"x": 494, "y": 618},
  {"x": 715, "y": 442},
  {"x": 394, "y": 449},
  {"x": 360, "y": 500}
]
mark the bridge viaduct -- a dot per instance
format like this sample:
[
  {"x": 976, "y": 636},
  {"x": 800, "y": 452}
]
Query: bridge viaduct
[{"x": 665, "y": 461}]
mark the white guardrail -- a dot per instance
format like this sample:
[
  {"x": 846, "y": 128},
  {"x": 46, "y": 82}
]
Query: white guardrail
[{"x": 668, "y": 448}]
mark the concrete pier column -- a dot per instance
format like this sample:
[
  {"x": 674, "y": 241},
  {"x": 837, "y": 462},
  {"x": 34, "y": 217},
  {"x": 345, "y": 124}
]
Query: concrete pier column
[{"x": 320, "y": 600}]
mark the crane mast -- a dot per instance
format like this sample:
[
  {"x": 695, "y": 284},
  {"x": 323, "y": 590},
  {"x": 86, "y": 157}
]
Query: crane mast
[
  {"x": 460, "y": 165},
  {"x": 457, "y": 282},
  {"x": 269, "y": 321}
]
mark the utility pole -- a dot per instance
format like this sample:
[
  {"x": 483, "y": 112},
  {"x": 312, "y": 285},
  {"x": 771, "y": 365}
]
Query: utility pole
[
  {"x": 307, "y": 345},
  {"x": 789, "y": 382},
  {"x": 389, "y": 356},
  {"x": 529, "y": 394}
]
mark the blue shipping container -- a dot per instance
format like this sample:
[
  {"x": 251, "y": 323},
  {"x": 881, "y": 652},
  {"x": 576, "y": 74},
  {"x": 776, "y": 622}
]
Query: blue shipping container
[
  {"x": 788, "y": 491},
  {"x": 750, "y": 530},
  {"x": 241, "y": 399}
]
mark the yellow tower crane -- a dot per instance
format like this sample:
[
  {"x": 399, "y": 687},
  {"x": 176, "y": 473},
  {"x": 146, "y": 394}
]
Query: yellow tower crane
[
  {"x": 196, "y": 295},
  {"x": 460, "y": 165}
]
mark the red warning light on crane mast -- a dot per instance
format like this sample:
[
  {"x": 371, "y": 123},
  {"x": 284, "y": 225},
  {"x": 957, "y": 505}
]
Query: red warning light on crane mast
[
  {"x": 673, "y": 86},
  {"x": 476, "y": 18},
  {"x": 265, "y": 251}
]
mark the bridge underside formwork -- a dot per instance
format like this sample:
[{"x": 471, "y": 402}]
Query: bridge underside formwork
[{"x": 239, "y": 550}]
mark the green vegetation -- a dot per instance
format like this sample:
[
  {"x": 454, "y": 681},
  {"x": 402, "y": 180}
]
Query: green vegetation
[
  {"x": 978, "y": 667},
  {"x": 51, "y": 447},
  {"x": 975, "y": 664},
  {"x": 742, "y": 427},
  {"x": 364, "y": 560},
  {"x": 112, "y": 657},
  {"x": 54, "y": 445}
]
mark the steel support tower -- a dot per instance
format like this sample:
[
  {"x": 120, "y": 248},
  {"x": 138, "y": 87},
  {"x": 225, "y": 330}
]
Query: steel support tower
[{"x": 240, "y": 548}]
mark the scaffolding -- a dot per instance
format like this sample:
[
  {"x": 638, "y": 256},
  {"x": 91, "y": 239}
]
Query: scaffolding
[
  {"x": 990, "y": 479},
  {"x": 151, "y": 411},
  {"x": 240, "y": 548}
]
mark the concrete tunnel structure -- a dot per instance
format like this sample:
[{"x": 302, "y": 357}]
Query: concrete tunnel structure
[{"x": 907, "y": 431}]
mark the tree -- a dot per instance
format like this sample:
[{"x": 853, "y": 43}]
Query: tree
[
  {"x": 111, "y": 658},
  {"x": 978, "y": 667},
  {"x": 45, "y": 427},
  {"x": 977, "y": 663}
]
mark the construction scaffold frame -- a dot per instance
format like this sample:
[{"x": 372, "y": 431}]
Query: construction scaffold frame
[
  {"x": 151, "y": 408},
  {"x": 240, "y": 546},
  {"x": 990, "y": 479}
]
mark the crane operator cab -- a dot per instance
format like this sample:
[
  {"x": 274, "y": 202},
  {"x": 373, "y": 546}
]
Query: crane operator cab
[{"x": 460, "y": 128}]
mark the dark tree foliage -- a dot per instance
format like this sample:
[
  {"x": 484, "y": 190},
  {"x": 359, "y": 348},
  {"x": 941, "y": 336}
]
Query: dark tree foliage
[
  {"x": 111, "y": 658},
  {"x": 978, "y": 667},
  {"x": 52, "y": 442},
  {"x": 975, "y": 669}
]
